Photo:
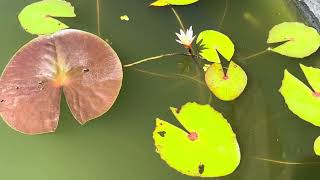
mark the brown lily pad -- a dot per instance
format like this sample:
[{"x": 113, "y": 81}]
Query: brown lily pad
[{"x": 81, "y": 64}]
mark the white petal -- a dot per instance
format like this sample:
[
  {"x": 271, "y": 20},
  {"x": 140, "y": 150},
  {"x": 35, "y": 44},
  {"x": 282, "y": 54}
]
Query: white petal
[{"x": 179, "y": 41}]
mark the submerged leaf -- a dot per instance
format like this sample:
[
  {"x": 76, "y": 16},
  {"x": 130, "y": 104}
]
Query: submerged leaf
[
  {"x": 38, "y": 18},
  {"x": 316, "y": 146},
  {"x": 227, "y": 86},
  {"x": 81, "y": 64},
  {"x": 299, "y": 40},
  {"x": 300, "y": 99},
  {"x": 208, "y": 148},
  {"x": 214, "y": 42},
  {"x": 172, "y": 2}
]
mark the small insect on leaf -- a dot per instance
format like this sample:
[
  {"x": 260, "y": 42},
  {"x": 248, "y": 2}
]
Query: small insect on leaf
[
  {"x": 214, "y": 42},
  {"x": 38, "y": 18},
  {"x": 298, "y": 40},
  {"x": 226, "y": 86},
  {"x": 301, "y": 100},
  {"x": 172, "y": 2},
  {"x": 206, "y": 147}
]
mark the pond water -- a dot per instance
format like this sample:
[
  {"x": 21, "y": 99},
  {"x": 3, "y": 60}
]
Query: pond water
[{"x": 119, "y": 145}]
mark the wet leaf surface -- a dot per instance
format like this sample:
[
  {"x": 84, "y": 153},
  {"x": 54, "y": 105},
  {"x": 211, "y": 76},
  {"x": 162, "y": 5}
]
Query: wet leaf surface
[
  {"x": 208, "y": 148},
  {"x": 226, "y": 86},
  {"x": 301, "y": 100},
  {"x": 38, "y": 18},
  {"x": 80, "y": 63},
  {"x": 299, "y": 40},
  {"x": 214, "y": 42}
]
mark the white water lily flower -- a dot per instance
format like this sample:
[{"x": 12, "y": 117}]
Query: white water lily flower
[{"x": 186, "y": 38}]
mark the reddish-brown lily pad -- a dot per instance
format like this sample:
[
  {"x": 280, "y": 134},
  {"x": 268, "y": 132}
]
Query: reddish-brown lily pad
[{"x": 81, "y": 64}]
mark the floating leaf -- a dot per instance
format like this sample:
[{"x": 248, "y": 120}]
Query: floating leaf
[
  {"x": 124, "y": 18},
  {"x": 299, "y": 40},
  {"x": 38, "y": 18},
  {"x": 316, "y": 146},
  {"x": 80, "y": 63},
  {"x": 300, "y": 99},
  {"x": 207, "y": 148},
  {"x": 172, "y": 2},
  {"x": 214, "y": 42},
  {"x": 227, "y": 86}
]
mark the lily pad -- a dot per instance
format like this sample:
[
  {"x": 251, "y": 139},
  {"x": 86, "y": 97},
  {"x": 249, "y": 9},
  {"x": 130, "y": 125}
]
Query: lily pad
[
  {"x": 172, "y": 2},
  {"x": 207, "y": 147},
  {"x": 299, "y": 40},
  {"x": 81, "y": 64},
  {"x": 300, "y": 99},
  {"x": 38, "y": 18},
  {"x": 226, "y": 86},
  {"x": 316, "y": 146},
  {"x": 214, "y": 42}
]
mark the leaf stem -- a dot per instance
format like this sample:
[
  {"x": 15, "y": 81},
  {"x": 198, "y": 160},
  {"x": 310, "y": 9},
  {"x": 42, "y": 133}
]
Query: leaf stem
[
  {"x": 178, "y": 19},
  {"x": 155, "y": 58},
  {"x": 224, "y": 15},
  {"x": 285, "y": 162},
  {"x": 98, "y": 17},
  {"x": 254, "y": 55}
]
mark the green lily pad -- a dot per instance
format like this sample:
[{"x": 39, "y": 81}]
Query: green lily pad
[
  {"x": 227, "y": 86},
  {"x": 172, "y": 2},
  {"x": 38, "y": 18},
  {"x": 316, "y": 146},
  {"x": 214, "y": 42},
  {"x": 299, "y": 40},
  {"x": 300, "y": 99},
  {"x": 207, "y": 148}
]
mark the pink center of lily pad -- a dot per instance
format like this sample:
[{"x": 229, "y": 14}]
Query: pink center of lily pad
[
  {"x": 316, "y": 94},
  {"x": 193, "y": 136}
]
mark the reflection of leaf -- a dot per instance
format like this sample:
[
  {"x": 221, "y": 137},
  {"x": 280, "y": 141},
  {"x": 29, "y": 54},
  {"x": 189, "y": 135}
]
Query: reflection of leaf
[
  {"x": 300, "y": 99},
  {"x": 299, "y": 40},
  {"x": 214, "y": 42},
  {"x": 172, "y": 2},
  {"x": 227, "y": 86},
  {"x": 37, "y": 18},
  {"x": 82, "y": 64},
  {"x": 316, "y": 146},
  {"x": 208, "y": 149}
]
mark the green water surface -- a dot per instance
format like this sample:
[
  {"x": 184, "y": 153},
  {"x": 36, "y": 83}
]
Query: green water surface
[{"x": 119, "y": 145}]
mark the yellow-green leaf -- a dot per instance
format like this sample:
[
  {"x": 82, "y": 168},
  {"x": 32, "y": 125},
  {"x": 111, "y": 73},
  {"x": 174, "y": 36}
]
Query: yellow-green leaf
[
  {"x": 227, "y": 86},
  {"x": 316, "y": 146},
  {"x": 214, "y": 42},
  {"x": 313, "y": 77},
  {"x": 207, "y": 147},
  {"x": 299, "y": 40},
  {"x": 172, "y": 2},
  {"x": 300, "y": 99},
  {"x": 38, "y": 18}
]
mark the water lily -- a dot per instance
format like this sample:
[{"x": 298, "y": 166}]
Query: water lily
[{"x": 186, "y": 38}]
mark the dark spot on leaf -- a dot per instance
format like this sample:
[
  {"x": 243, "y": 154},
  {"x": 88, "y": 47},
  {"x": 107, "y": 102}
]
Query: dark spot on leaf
[
  {"x": 2, "y": 100},
  {"x": 201, "y": 168},
  {"x": 86, "y": 70},
  {"x": 162, "y": 133},
  {"x": 17, "y": 87},
  {"x": 40, "y": 82}
]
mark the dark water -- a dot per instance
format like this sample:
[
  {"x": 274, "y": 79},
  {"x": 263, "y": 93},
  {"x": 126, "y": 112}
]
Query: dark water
[{"x": 119, "y": 145}]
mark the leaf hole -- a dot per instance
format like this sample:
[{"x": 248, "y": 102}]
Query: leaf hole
[
  {"x": 201, "y": 169},
  {"x": 162, "y": 133},
  {"x": 86, "y": 70}
]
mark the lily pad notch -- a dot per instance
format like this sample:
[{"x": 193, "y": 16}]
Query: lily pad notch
[{"x": 81, "y": 64}]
